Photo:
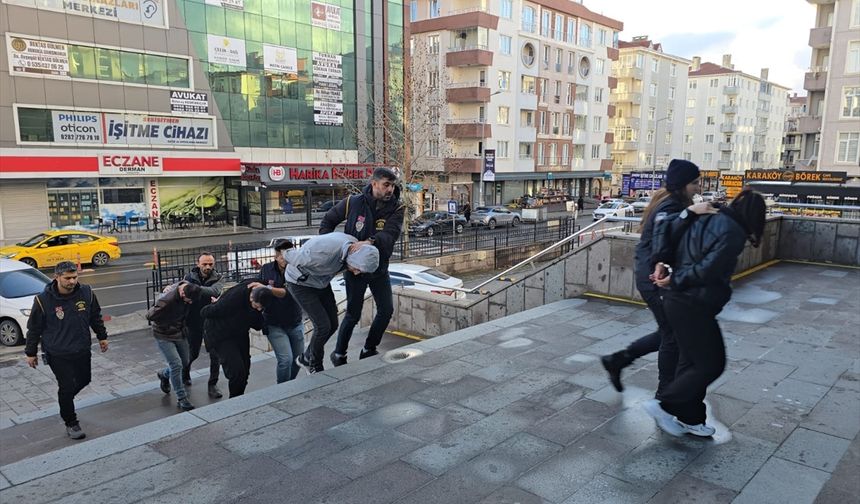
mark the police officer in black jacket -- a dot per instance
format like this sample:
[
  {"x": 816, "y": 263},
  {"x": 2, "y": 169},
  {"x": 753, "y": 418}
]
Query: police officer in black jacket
[
  {"x": 375, "y": 216},
  {"x": 61, "y": 318}
]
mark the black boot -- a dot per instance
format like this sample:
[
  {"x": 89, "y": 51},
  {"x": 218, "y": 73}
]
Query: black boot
[{"x": 614, "y": 364}]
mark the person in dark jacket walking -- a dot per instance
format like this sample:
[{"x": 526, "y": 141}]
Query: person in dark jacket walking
[
  {"x": 168, "y": 317},
  {"x": 682, "y": 183},
  {"x": 373, "y": 217},
  {"x": 580, "y": 204},
  {"x": 226, "y": 322},
  {"x": 309, "y": 272},
  {"x": 282, "y": 318},
  {"x": 211, "y": 281},
  {"x": 467, "y": 212},
  {"x": 60, "y": 319},
  {"x": 697, "y": 287}
]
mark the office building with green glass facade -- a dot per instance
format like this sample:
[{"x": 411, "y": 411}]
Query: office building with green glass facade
[{"x": 161, "y": 108}]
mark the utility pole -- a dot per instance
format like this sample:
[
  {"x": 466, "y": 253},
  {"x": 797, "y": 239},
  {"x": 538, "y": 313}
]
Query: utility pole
[{"x": 654, "y": 157}]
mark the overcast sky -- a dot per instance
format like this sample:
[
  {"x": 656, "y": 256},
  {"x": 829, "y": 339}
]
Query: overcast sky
[{"x": 758, "y": 34}]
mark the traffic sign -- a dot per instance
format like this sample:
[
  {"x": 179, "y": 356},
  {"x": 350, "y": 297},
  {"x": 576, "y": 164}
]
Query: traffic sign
[{"x": 452, "y": 207}]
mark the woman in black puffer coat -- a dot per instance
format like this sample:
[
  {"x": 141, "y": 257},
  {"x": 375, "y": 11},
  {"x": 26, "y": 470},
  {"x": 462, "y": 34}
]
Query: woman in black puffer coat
[{"x": 698, "y": 287}]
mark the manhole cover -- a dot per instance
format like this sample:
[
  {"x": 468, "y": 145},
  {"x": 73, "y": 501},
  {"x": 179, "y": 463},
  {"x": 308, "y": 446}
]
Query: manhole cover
[{"x": 401, "y": 354}]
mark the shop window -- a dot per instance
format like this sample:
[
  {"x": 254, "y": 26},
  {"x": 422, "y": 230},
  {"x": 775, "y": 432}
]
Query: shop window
[{"x": 131, "y": 195}]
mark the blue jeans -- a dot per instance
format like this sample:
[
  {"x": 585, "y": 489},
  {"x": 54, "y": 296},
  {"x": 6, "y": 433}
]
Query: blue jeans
[
  {"x": 287, "y": 344},
  {"x": 176, "y": 354}
]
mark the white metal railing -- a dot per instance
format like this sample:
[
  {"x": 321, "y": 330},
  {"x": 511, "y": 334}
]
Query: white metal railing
[
  {"x": 469, "y": 120},
  {"x": 468, "y": 47},
  {"x": 818, "y": 69},
  {"x": 453, "y": 85},
  {"x": 480, "y": 8}
]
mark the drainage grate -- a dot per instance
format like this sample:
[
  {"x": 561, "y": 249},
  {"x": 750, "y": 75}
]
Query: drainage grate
[{"x": 401, "y": 354}]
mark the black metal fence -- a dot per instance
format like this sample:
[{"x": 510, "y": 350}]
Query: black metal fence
[{"x": 238, "y": 261}]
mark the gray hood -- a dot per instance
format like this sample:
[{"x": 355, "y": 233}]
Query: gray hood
[
  {"x": 365, "y": 259},
  {"x": 318, "y": 260}
]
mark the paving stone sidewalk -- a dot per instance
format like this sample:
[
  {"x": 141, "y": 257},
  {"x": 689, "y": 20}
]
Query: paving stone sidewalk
[{"x": 515, "y": 410}]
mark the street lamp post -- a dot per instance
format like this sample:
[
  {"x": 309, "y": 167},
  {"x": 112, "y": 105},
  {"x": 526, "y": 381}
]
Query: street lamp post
[
  {"x": 483, "y": 148},
  {"x": 654, "y": 157}
]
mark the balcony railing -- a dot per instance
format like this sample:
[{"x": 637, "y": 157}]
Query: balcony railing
[
  {"x": 631, "y": 97},
  {"x": 809, "y": 124},
  {"x": 731, "y": 90},
  {"x": 730, "y": 109},
  {"x": 819, "y": 38},
  {"x": 728, "y": 128},
  {"x": 726, "y": 146},
  {"x": 724, "y": 165},
  {"x": 629, "y": 73},
  {"x": 815, "y": 80}
]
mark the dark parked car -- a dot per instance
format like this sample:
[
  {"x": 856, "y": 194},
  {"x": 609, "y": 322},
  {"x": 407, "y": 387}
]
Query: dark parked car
[{"x": 431, "y": 223}]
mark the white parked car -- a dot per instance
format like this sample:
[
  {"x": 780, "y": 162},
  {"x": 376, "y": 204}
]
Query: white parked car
[
  {"x": 19, "y": 283},
  {"x": 406, "y": 276},
  {"x": 613, "y": 209},
  {"x": 248, "y": 261},
  {"x": 640, "y": 204}
]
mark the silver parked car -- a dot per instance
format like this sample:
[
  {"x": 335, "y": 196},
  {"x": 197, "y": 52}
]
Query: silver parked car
[{"x": 494, "y": 216}]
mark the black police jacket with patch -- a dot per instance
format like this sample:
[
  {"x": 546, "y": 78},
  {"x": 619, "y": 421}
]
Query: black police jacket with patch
[
  {"x": 62, "y": 323},
  {"x": 365, "y": 218}
]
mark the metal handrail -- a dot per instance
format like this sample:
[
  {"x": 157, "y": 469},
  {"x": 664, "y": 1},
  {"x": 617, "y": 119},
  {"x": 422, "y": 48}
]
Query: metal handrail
[
  {"x": 815, "y": 206},
  {"x": 542, "y": 252}
]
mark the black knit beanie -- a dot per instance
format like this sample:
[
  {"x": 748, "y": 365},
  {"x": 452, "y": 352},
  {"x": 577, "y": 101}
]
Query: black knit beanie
[{"x": 680, "y": 173}]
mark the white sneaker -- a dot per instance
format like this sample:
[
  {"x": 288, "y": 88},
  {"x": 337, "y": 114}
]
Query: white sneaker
[
  {"x": 665, "y": 421},
  {"x": 701, "y": 430}
]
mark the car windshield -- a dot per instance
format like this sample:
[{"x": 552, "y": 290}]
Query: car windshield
[
  {"x": 20, "y": 283},
  {"x": 644, "y": 200},
  {"x": 606, "y": 206},
  {"x": 432, "y": 276},
  {"x": 427, "y": 216},
  {"x": 34, "y": 240},
  {"x": 483, "y": 209}
]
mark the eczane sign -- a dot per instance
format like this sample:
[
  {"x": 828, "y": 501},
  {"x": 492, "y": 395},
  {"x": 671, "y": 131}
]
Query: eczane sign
[{"x": 130, "y": 164}]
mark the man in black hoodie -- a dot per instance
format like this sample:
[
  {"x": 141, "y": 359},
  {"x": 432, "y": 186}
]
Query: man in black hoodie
[
  {"x": 376, "y": 217},
  {"x": 227, "y": 322},
  {"x": 211, "y": 283},
  {"x": 61, "y": 318}
]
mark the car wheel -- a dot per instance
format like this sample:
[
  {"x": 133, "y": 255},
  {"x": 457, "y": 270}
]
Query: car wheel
[
  {"x": 459, "y": 228},
  {"x": 491, "y": 224},
  {"x": 100, "y": 259},
  {"x": 430, "y": 232},
  {"x": 10, "y": 333},
  {"x": 29, "y": 262},
  {"x": 515, "y": 222}
]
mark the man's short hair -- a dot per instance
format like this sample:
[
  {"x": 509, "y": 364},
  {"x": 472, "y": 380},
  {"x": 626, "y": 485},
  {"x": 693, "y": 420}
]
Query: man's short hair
[
  {"x": 65, "y": 267},
  {"x": 205, "y": 253},
  {"x": 262, "y": 295},
  {"x": 282, "y": 244},
  {"x": 384, "y": 173}
]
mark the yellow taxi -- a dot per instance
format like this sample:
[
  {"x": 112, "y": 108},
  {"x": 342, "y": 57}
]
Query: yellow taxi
[{"x": 50, "y": 247}]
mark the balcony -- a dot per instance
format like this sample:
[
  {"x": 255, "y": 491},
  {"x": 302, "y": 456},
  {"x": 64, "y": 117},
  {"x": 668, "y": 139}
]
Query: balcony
[
  {"x": 629, "y": 73},
  {"x": 634, "y": 97},
  {"x": 456, "y": 20},
  {"x": 724, "y": 165},
  {"x": 630, "y": 122},
  {"x": 468, "y": 128},
  {"x": 612, "y": 53},
  {"x": 815, "y": 80},
  {"x": 606, "y": 165},
  {"x": 463, "y": 165},
  {"x": 578, "y": 136},
  {"x": 609, "y": 138},
  {"x": 730, "y": 109},
  {"x": 759, "y": 146},
  {"x": 728, "y": 127},
  {"x": 610, "y": 110},
  {"x": 626, "y": 146},
  {"x": 809, "y": 124},
  {"x": 580, "y": 107},
  {"x": 764, "y": 96},
  {"x": 469, "y": 56},
  {"x": 612, "y": 82},
  {"x": 731, "y": 90},
  {"x": 726, "y": 146},
  {"x": 468, "y": 93},
  {"x": 819, "y": 38},
  {"x": 762, "y": 112}
]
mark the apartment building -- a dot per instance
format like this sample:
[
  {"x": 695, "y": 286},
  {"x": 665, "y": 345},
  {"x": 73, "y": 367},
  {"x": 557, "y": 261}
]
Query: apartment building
[
  {"x": 792, "y": 137},
  {"x": 529, "y": 80},
  {"x": 242, "y": 109},
  {"x": 831, "y": 128},
  {"x": 649, "y": 114},
  {"x": 732, "y": 120}
]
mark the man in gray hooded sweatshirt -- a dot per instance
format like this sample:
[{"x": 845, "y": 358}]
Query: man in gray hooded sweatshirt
[{"x": 308, "y": 274}]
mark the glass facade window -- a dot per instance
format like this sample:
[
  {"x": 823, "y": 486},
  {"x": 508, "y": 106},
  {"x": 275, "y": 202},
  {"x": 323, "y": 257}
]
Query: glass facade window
[{"x": 96, "y": 63}]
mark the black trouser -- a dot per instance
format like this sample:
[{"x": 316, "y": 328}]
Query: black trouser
[
  {"x": 662, "y": 339},
  {"x": 321, "y": 309},
  {"x": 195, "y": 341},
  {"x": 73, "y": 373},
  {"x": 702, "y": 359},
  {"x": 235, "y": 355},
  {"x": 356, "y": 285}
]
